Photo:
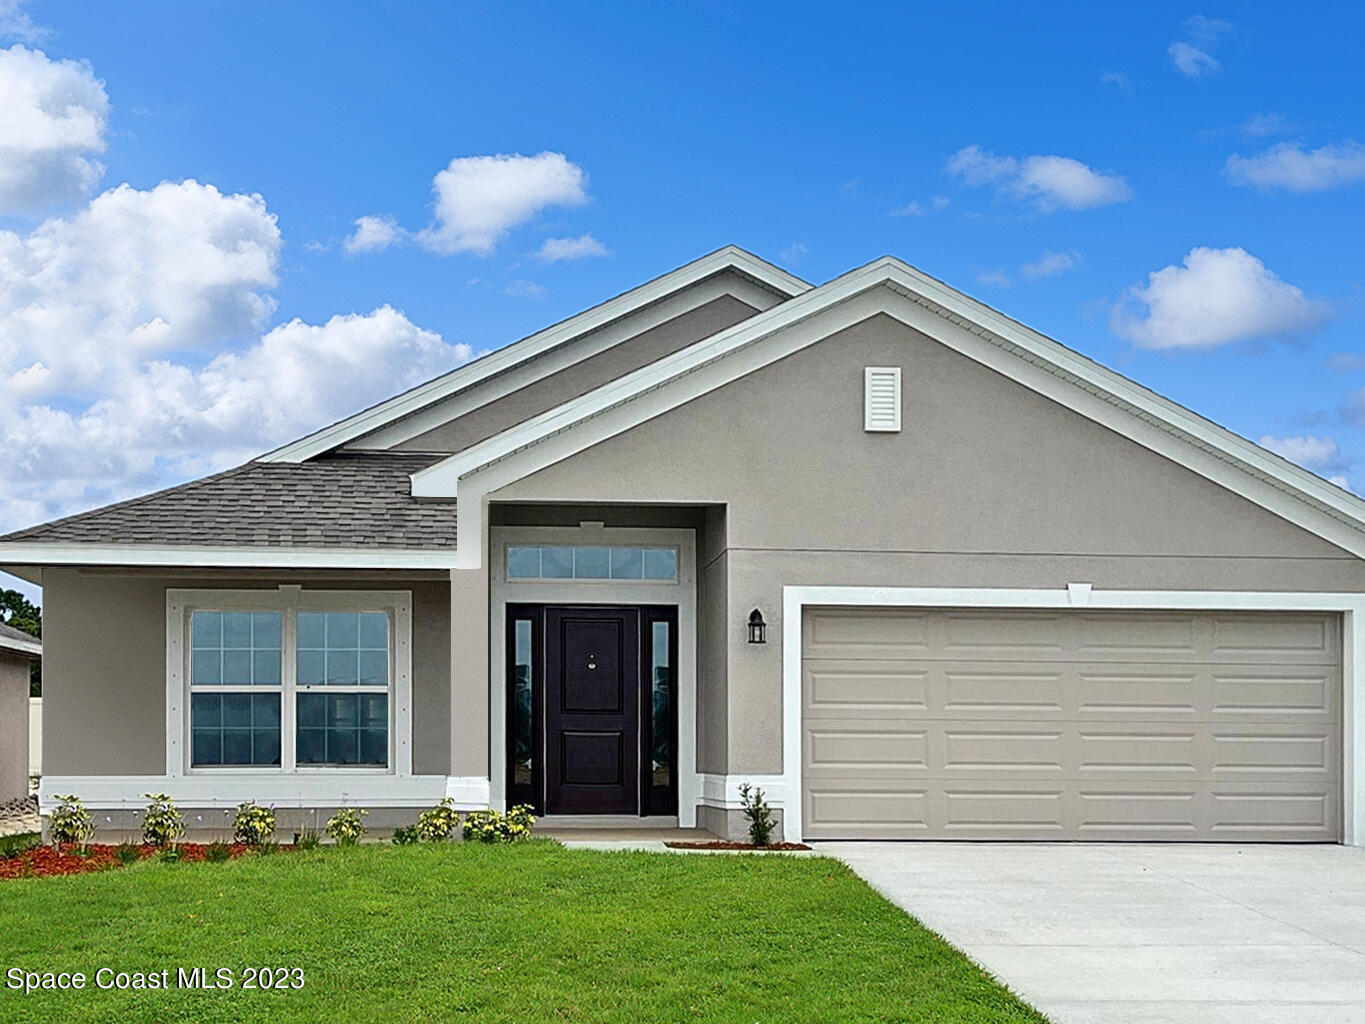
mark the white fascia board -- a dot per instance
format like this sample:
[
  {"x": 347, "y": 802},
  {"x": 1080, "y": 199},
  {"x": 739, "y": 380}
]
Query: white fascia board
[
  {"x": 781, "y": 283},
  {"x": 947, "y": 316},
  {"x": 24, "y": 553},
  {"x": 17, "y": 645}
]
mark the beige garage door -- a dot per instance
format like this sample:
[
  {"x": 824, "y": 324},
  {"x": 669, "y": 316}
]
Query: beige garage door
[{"x": 943, "y": 724}]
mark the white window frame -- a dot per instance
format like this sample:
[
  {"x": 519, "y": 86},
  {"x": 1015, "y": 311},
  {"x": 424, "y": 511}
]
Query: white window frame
[
  {"x": 506, "y": 546},
  {"x": 288, "y": 600}
]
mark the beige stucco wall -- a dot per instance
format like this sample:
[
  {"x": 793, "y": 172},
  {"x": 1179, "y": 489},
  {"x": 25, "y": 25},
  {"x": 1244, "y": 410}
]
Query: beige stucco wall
[
  {"x": 987, "y": 484},
  {"x": 13, "y": 726},
  {"x": 104, "y": 670},
  {"x": 578, "y": 379}
]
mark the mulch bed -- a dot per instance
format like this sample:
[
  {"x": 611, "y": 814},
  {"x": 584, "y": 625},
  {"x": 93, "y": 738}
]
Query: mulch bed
[
  {"x": 721, "y": 844},
  {"x": 46, "y": 861}
]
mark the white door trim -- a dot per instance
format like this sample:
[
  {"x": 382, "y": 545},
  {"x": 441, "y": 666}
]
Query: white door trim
[
  {"x": 795, "y": 599},
  {"x": 681, "y": 592}
]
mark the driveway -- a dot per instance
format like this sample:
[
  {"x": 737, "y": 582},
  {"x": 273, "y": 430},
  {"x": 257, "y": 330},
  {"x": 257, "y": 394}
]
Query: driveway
[{"x": 1144, "y": 933}]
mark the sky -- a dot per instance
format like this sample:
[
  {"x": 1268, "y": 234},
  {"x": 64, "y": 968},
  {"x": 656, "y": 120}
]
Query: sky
[{"x": 223, "y": 225}]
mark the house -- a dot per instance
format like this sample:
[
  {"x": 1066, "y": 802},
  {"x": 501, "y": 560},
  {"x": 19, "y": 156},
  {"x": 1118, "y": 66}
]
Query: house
[
  {"x": 17, "y": 651},
  {"x": 913, "y": 568}
]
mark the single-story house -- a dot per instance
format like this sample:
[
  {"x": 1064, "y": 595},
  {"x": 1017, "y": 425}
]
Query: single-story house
[
  {"x": 914, "y": 569},
  {"x": 17, "y": 651}
]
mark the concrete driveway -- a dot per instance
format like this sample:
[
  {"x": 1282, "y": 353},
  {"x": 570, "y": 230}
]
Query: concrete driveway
[{"x": 1144, "y": 933}]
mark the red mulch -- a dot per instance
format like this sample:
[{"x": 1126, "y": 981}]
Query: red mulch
[
  {"x": 45, "y": 861},
  {"x": 721, "y": 844}
]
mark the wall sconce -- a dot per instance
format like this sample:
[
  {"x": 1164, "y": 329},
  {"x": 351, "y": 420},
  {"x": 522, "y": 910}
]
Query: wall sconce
[{"x": 758, "y": 629}]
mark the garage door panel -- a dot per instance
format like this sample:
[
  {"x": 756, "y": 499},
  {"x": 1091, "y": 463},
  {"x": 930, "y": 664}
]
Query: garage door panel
[
  {"x": 1103, "y": 726},
  {"x": 852, "y": 635}
]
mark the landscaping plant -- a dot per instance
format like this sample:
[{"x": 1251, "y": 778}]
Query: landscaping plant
[
  {"x": 437, "y": 823},
  {"x": 345, "y": 827},
  {"x": 308, "y": 839},
  {"x": 127, "y": 853},
  {"x": 162, "y": 825},
  {"x": 253, "y": 825},
  {"x": 70, "y": 822},
  {"x": 406, "y": 836},
  {"x": 759, "y": 815},
  {"x": 13, "y": 845},
  {"x": 217, "y": 852},
  {"x": 494, "y": 827}
]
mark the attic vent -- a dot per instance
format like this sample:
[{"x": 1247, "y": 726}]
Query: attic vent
[{"x": 882, "y": 398}]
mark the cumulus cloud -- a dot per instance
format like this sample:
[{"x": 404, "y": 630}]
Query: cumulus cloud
[
  {"x": 479, "y": 199},
  {"x": 373, "y": 234},
  {"x": 554, "y": 250},
  {"x": 1048, "y": 182},
  {"x": 1320, "y": 454},
  {"x": 53, "y": 116},
  {"x": 1216, "y": 297},
  {"x": 1289, "y": 166}
]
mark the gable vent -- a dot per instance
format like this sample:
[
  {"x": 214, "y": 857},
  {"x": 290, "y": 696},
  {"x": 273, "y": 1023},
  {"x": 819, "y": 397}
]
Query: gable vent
[{"x": 882, "y": 398}]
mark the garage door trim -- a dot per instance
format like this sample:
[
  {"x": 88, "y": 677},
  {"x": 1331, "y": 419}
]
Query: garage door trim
[{"x": 1079, "y": 596}]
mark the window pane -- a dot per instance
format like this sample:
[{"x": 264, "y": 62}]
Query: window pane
[
  {"x": 591, "y": 563},
  {"x": 556, "y": 563},
  {"x": 374, "y": 668},
  {"x": 237, "y": 668},
  {"x": 236, "y": 709},
  {"x": 312, "y": 710},
  {"x": 207, "y": 747},
  {"x": 237, "y": 629},
  {"x": 523, "y": 746},
  {"x": 343, "y": 729},
  {"x": 234, "y": 729},
  {"x": 312, "y": 668},
  {"x": 266, "y": 668},
  {"x": 661, "y": 563},
  {"x": 627, "y": 563},
  {"x": 206, "y": 630},
  {"x": 374, "y": 630},
  {"x": 235, "y": 648},
  {"x": 265, "y": 630},
  {"x": 206, "y": 709},
  {"x": 206, "y": 667},
  {"x": 352, "y": 648},
  {"x": 342, "y": 630},
  {"x": 661, "y": 679},
  {"x": 312, "y": 627},
  {"x": 341, "y": 668},
  {"x": 523, "y": 562}
]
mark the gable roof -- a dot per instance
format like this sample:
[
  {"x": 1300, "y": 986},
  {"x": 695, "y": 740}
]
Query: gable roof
[
  {"x": 780, "y": 284},
  {"x": 951, "y": 317},
  {"x": 16, "y": 641}
]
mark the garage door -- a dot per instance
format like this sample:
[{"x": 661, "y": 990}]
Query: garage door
[{"x": 945, "y": 724}]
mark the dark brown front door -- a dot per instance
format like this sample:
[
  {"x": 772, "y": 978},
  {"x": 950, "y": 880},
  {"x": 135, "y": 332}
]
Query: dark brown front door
[{"x": 592, "y": 721}]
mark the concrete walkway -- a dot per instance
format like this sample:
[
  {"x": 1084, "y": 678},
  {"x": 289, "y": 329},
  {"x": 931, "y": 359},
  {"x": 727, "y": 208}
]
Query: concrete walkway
[{"x": 1141, "y": 934}]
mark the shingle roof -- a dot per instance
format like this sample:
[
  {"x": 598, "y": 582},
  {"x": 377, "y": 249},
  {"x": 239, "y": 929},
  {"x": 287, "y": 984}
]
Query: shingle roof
[
  {"x": 353, "y": 501},
  {"x": 12, "y": 639}
]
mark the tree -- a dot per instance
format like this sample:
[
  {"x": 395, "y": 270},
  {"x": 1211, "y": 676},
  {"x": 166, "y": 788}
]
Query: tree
[{"x": 18, "y": 611}]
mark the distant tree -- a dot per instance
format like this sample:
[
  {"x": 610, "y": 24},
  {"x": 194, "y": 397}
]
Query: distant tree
[{"x": 18, "y": 611}]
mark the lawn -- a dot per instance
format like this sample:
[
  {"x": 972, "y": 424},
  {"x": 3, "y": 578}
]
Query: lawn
[{"x": 520, "y": 934}]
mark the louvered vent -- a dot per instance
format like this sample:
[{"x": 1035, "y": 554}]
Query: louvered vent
[{"x": 882, "y": 398}]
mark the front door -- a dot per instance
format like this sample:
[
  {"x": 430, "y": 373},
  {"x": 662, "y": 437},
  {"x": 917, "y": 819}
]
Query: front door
[{"x": 592, "y": 720}]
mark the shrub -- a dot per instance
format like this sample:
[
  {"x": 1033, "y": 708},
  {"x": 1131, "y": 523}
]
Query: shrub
[
  {"x": 127, "y": 853},
  {"x": 494, "y": 827},
  {"x": 405, "y": 836},
  {"x": 13, "y": 845},
  {"x": 169, "y": 855},
  {"x": 308, "y": 839},
  {"x": 162, "y": 824},
  {"x": 253, "y": 824},
  {"x": 70, "y": 822},
  {"x": 216, "y": 853},
  {"x": 437, "y": 823},
  {"x": 760, "y": 815},
  {"x": 267, "y": 848},
  {"x": 345, "y": 827}
]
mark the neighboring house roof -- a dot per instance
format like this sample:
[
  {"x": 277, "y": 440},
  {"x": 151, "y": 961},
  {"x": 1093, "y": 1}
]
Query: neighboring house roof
[
  {"x": 348, "y": 501},
  {"x": 777, "y": 282},
  {"x": 16, "y": 641}
]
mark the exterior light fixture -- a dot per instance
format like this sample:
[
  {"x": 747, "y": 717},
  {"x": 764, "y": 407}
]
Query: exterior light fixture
[{"x": 758, "y": 629}]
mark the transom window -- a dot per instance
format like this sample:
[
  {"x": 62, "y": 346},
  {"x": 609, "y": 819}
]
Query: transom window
[
  {"x": 291, "y": 687},
  {"x": 586, "y": 562}
]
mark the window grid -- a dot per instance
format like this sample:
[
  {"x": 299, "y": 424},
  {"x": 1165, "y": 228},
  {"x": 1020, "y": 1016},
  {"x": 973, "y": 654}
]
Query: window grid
[
  {"x": 236, "y": 689},
  {"x": 347, "y": 652},
  {"x": 579, "y": 562}
]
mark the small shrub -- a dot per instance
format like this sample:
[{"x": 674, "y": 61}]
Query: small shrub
[
  {"x": 169, "y": 855},
  {"x": 308, "y": 839},
  {"x": 216, "y": 853},
  {"x": 127, "y": 853},
  {"x": 495, "y": 827},
  {"x": 406, "y": 836},
  {"x": 13, "y": 845},
  {"x": 253, "y": 824},
  {"x": 70, "y": 822},
  {"x": 162, "y": 825},
  {"x": 759, "y": 815},
  {"x": 345, "y": 827},
  {"x": 267, "y": 848},
  {"x": 437, "y": 823}
]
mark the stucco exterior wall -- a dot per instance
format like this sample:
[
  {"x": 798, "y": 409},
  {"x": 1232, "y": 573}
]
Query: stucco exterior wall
[
  {"x": 104, "y": 671},
  {"x": 13, "y": 726},
  {"x": 987, "y": 484}
]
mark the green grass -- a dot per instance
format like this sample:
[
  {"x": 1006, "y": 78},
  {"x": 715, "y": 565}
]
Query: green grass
[{"x": 494, "y": 933}]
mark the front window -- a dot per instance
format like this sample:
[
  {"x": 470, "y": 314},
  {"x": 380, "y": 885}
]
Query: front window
[
  {"x": 333, "y": 668},
  {"x": 586, "y": 562}
]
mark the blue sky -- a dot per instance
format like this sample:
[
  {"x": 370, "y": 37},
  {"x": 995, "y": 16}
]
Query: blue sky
[{"x": 1046, "y": 162}]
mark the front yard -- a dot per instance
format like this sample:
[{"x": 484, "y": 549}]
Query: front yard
[{"x": 524, "y": 933}]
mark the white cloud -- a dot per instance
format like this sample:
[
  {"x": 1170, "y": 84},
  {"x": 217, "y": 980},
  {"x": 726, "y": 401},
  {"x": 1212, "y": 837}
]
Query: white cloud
[
  {"x": 1119, "y": 79},
  {"x": 1315, "y": 453},
  {"x": 1266, "y": 123},
  {"x": 999, "y": 278},
  {"x": 794, "y": 253},
  {"x": 1218, "y": 296},
  {"x": 553, "y": 250},
  {"x": 914, "y": 208},
  {"x": 479, "y": 199},
  {"x": 524, "y": 290},
  {"x": 53, "y": 115},
  {"x": 132, "y": 276},
  {"x": 1196, "y": 61},
  {"x": 373, "y": 234},
  {"x": 1049, "y": 182},
  {"x": 1050, "y": 264},
  {"x": 15, "y": 23},
  {"x": 1289, "y": 166}
]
